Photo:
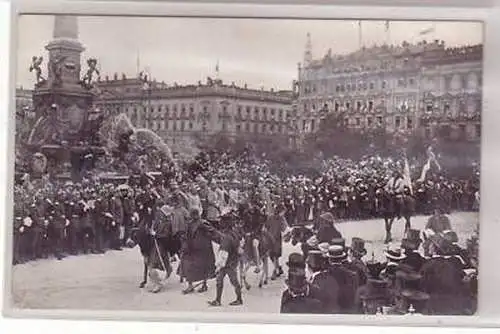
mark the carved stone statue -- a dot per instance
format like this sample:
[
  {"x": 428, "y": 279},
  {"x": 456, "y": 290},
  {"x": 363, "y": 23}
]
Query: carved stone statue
[
  {"x": 56, "y": 66},
  {"x": 36, "y": 63},
  {"x": 87, "y": 79}
]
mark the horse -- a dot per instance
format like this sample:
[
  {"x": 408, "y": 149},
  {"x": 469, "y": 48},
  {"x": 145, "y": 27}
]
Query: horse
[
  {"x": 247, "y": 258},
  {"x": 390, "y": 210}
]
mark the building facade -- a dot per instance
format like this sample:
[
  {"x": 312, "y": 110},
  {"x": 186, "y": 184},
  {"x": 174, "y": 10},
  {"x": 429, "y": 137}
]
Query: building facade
[
  {"x": 411, "y": 88},
  {"x": 178, "y": 112}
]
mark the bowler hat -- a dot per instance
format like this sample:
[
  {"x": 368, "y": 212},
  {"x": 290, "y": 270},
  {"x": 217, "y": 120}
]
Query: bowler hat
[{"x": 296, "y": 260}]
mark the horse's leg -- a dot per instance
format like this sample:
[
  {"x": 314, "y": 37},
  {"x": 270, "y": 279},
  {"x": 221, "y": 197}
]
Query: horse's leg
[
  {"x": 407, "y": 223},
  {"x": 145, "y": 274},
  {"x": 264, "y": 276},
  {"x": 246, "y": 266},
  {"x": 388, "y": 227}
]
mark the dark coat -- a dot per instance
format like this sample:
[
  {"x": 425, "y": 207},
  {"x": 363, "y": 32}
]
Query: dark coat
[
  {"x": 198, "y": 258},
  {"x": 414, "y": 260},
  {"x": 328, "y": 289},
  {"x": 328, "y": 232},
  {"x": 442, "y": 280},
  {"x": 301, "y": 304},
  {"x": 346, "y": 281},
  {"x": 275, "y": 226}
]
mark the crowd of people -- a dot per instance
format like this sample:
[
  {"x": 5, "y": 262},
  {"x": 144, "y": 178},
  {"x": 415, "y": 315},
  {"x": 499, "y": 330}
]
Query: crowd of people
[{"x": 222, "y": 198}]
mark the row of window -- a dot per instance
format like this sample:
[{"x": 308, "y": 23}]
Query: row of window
[
  {"x": 189, "y": 126},
  {"x": 360, "y": 86}
]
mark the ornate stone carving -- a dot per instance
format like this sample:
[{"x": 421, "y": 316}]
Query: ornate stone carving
[
  {"x": 86, "y": 82},
  {"x": 36, "y": 63}
]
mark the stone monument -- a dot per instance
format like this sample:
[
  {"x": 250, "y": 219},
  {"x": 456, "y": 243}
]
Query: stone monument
[{"x": 67, "y": 124}]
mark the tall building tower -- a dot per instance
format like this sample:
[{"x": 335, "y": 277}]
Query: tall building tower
[{"x": 308, "y": 51}]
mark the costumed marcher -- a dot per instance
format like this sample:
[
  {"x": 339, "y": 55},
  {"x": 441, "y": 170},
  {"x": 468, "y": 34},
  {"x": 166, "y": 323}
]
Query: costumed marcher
[
  {"x": 276, "y": 226},
  {"x": 227, "y": 263},
  {"x": 159, "y": 260},
  {"x": 198, "y": 258}
]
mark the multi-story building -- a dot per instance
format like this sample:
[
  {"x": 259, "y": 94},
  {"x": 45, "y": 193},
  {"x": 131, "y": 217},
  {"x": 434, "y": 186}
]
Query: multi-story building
[
  {"x": 422, "y": 88},
  {"x": 24, "y": 99},
  {"x": 177, "y": 112}
]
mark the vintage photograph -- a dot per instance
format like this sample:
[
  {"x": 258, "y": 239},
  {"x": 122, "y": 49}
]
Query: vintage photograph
[{"x": 247, "y": 165}]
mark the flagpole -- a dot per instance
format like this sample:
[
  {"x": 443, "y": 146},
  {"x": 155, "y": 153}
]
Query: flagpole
[{"x": 360, "y": 38}]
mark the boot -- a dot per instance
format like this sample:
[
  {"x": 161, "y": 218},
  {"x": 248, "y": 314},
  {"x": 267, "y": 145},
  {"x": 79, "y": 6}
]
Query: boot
[
  {"x": 204, "y": 288},
  {"x": 216, "y": 301},
  {"x": 238, "y": 300}
]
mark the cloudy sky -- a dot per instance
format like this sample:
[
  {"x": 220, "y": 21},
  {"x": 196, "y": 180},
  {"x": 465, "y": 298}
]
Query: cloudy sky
[{"x": 259, "y": 52}]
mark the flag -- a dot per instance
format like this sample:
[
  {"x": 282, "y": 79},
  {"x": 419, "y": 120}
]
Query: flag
[
  {"x": 427, "y": 31},
  {"x": 431, "y": 159},
  {"x": 386, "y": 26},
  {"x": 406, "y": 175},
  {"x": 217, "y": 67}
]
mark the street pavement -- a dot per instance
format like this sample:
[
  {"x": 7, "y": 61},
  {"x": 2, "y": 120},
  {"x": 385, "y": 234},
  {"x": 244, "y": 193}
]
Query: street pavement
[{"x": 111, "y": 281}]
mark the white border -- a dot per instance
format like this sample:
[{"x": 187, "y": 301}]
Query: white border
[{"x": 489, "y": 308}]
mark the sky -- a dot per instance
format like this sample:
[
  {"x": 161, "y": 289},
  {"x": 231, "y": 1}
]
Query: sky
[{"x": 257, "y": 52}]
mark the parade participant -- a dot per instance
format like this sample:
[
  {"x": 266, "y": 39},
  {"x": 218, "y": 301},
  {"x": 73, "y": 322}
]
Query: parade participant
[
  {"x": 116, "y": 210},
  {"x": 345, "y": 279},
  {"x": 179, "y": 222},
  {"x": 212, "y": 204},
  {"x": 327, "y": 286},
  {"x": 276, "y": 226},
  {"x": 129, "y": 209},
  {"x": 198, "y": 259},
  {"x": 55, "y": 230},
  {"x": 158, "y": 259},
  {"x": 396, "y": 187},
  {"x": 327, "y": 230},
  {"x": 436, "y": 224},
  {"x": 227, "y": 263},
  {"x": 300, "y": 296},
  {"x": 410, "y": 244}
]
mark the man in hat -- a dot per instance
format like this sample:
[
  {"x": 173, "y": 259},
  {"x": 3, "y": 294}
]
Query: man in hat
[
  {"x": 410, "y": 244},
  {"x": 443, "y": 276},
  {"x": 327, "y": 286},
  {"x": 300, "y": 296},
  {"x": 276, "y": 226},
  {"x": 227, "y": 263},
  {"x": 356, "y": 264},
  {"x": 345, "y": 278},
  {"x": 436, "y": 224}
]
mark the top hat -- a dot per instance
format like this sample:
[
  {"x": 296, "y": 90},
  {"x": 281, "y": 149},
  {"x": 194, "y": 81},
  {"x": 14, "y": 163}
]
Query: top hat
[
  {"x": 296, "y": 260},
  {"x": 358, "y": 246},
  {"x": 297, "y": 280},
  {"x": 338, "y": 242},
  {"x": 336, "y": 253},
  {"x": 315, "y": 259}
]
